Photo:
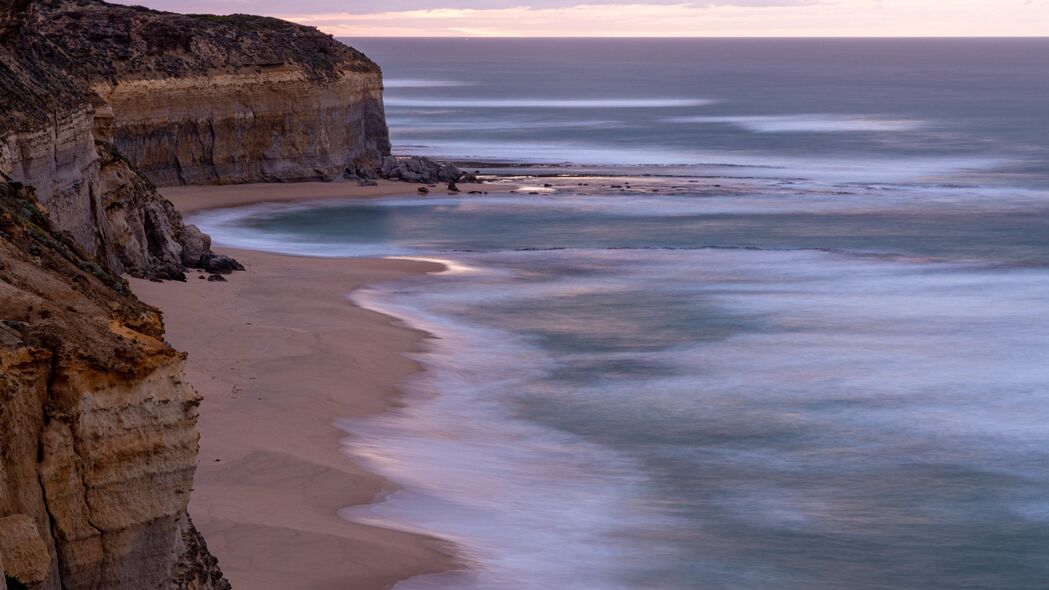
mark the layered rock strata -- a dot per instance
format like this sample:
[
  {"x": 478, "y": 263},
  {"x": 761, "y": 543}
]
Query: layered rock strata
[
  {"x": 102, "y": 101},
  {"x": 193, "y": 99},
  {"x": 274, "y": 124},
  {"x": 99, "y": 437},
  {"x": 98, "y": 103}
]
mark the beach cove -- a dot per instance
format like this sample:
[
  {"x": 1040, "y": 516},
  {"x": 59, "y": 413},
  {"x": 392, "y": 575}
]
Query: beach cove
[
  {"x": 278, "y": 353},
  {"x": 786, "y": 360}
]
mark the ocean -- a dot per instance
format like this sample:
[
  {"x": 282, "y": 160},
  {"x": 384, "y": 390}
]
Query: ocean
[{"x": 759, "y": 314}]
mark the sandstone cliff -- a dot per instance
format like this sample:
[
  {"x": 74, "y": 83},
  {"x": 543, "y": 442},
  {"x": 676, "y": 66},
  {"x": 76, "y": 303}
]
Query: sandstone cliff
[
  {"x": 48, "y": 141},
  {"x": 209, "y": 99},
  {"x": 97, "y": 103},
  {"x": 99, "y": 437},
  {"x": 180, "y": 100}
]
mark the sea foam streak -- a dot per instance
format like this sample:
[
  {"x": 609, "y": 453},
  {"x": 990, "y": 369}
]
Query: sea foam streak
[
  {"x": 806, "y": 123},
  {"x": 729, "y": 164},
  {"x": 550, "y": 103},
  {"x": 421, "y": 124},
  {"x": 475, "y": 474},
  {"x": 420, "y": 83},
  {"x": 630, "y": 410},
  {"x": 849, "y": 390},
  {"x": 798, "y": 426}
]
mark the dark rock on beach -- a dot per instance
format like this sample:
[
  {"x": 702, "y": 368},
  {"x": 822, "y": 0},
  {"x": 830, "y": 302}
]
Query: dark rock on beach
[
  {"x": 221, "y": 264},
  {"x": 195, "y": 245},
  {"x": 421, "y": 170}
]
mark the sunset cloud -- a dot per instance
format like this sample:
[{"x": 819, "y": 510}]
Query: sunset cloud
[{"x": 721, "y": 18}]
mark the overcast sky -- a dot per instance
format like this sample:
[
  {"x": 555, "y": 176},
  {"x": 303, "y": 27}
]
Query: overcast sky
[{"x": 672, "y": 18}]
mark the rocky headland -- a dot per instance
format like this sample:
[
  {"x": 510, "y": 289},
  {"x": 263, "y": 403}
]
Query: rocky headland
[
  {"x": 102, "y": 102},
  {"x": 99, "y": 104}
]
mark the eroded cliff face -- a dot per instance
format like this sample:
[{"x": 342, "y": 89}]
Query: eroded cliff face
[
  {"x": 98, "y": 442},
  {"x": 48, "y": 141},
  {"x": 193, "y": 99},
  {"x": 91, "y": 191},
  {"x": 99, "y": 437},
  {"x": 96, "y": 95},
  {"x": 276, "y": 124}
]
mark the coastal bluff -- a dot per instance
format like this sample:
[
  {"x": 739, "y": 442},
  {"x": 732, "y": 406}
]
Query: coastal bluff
[
  {"x": 100, "y": 104},
  {"x": 99, "y": 439}
]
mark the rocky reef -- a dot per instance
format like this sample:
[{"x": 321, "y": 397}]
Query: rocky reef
[
  {"x": 99, "y": 440},
  {"x": 424, "y": 170}
]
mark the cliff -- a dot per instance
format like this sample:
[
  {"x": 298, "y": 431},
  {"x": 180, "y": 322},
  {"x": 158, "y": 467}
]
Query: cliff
[
  {"x": 97, "y": 104},
  {"x": 48, "y": 141},
  {"x": 192, "y": 99},
  {"x": 99, "y": 430},
  {"x": 97, "y": 95}
]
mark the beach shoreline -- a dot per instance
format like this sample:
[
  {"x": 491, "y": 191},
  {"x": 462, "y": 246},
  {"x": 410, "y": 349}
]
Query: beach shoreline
[
  {"x": 193, "y": 199},
  {"x": 279, "y": 352}
]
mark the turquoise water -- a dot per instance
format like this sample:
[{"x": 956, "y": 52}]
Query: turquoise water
[{"x": 710, "y": 380}]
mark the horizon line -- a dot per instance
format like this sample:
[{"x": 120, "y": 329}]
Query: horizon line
[{"x": 690, "y": 37}]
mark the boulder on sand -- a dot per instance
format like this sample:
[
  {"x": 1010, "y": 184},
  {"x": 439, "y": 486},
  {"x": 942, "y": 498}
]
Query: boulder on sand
[
  {"x": 219, "y": 264},
  {"x": 195, "y": 244}
]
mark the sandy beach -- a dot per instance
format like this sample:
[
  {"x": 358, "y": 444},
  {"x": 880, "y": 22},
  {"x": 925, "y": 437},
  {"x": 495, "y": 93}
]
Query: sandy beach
[{"x": 278, "y": 353}]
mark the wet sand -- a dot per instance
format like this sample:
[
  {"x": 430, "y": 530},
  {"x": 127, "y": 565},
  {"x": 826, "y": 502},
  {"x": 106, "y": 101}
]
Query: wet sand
[{"x": 278, "y": 353}]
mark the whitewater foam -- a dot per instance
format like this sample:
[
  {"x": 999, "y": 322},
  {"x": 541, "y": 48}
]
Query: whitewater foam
[
  {"x": 474, "y": 473},
  {"x": 807, "y": 123},
  {"x": 550, "y": 103},
  {"x": 421, "y": 83}
]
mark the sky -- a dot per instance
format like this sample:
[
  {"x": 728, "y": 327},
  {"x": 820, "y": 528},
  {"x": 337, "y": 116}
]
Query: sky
[{"x": 644, "y": 18}]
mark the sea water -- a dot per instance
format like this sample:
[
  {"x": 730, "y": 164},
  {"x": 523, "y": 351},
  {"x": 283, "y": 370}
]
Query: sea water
[{"x": 807, "y": 348}]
